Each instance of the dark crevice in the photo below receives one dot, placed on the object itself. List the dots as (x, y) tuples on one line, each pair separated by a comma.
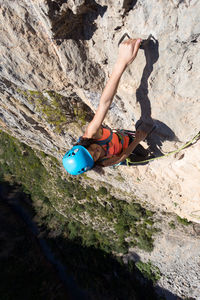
[(195, 38), (35, 125), (128, 5), (29, 119), (42, 130), (69, 25)]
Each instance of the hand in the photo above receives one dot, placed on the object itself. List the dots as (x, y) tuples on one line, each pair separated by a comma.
[(128, 51)]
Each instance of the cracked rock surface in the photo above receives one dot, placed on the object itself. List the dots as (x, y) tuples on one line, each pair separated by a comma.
[(55, 59)]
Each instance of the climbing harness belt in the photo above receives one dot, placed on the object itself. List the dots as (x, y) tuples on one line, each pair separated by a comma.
[(106, 141), (128, 161), (121, 133)]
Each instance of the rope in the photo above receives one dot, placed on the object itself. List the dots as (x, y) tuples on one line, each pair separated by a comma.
[(128, 161)]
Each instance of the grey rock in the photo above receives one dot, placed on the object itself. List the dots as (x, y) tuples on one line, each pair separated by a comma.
[(70, 49)]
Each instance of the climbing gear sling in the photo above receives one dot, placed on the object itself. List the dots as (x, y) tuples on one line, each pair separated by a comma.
[(191, 142)]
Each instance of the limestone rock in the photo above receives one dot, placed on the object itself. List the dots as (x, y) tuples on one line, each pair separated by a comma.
[(55, 59), (54, 46)]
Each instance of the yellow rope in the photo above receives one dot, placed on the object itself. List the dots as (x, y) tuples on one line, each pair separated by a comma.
[(128, 161)]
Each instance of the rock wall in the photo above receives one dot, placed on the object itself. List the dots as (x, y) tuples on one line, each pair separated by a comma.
[(176, 254), (69, 47)]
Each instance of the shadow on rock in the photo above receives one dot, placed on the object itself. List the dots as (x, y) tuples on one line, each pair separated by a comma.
[(74, 22), (167, 295), (129, 5), (161, 131)]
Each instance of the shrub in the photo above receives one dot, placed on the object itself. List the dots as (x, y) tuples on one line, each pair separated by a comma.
[(149, 222), (121, 229), (121, 247), (145, 243), (102, 191), (136, 211), (81, 195), (91, 192), (74, 230), (149, 271)]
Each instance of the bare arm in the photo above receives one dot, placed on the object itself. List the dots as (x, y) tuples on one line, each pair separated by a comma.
[(127, 53)]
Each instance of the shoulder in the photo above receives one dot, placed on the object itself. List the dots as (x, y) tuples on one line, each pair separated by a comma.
[(98, 134)]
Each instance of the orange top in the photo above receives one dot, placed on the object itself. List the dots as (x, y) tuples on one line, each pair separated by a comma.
[(115, 145)]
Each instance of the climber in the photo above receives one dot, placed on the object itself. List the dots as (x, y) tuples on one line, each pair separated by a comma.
[(99, 145)]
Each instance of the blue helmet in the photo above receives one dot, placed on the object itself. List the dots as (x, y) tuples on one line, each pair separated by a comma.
[(77, 160)]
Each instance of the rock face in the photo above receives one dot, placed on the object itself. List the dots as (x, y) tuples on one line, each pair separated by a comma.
[(55, 59), (57, 46), (176, 254)]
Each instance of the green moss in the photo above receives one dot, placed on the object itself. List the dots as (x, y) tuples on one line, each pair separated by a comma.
[(172, 225), (35, 93), (54, 111), (149, 213), (183, 221), (50, 107), (80, 115)]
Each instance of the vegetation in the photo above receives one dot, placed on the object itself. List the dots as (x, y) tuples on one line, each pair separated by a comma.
[(172, 225), (58, 110), (95, 216), (72, 210), (99, 274), (149, 270), (20, 164), (25, 274), (183, 221)]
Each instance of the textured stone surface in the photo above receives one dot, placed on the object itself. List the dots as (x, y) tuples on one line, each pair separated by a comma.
[(58, 46), (70, 47), (177, 256)]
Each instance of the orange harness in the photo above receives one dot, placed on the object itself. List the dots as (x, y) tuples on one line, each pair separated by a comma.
[(113, 142)]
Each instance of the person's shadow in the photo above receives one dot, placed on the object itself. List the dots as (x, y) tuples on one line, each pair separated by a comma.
[(161, 131)]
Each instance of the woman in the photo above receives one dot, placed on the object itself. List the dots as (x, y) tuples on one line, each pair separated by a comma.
[(100, 145)]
